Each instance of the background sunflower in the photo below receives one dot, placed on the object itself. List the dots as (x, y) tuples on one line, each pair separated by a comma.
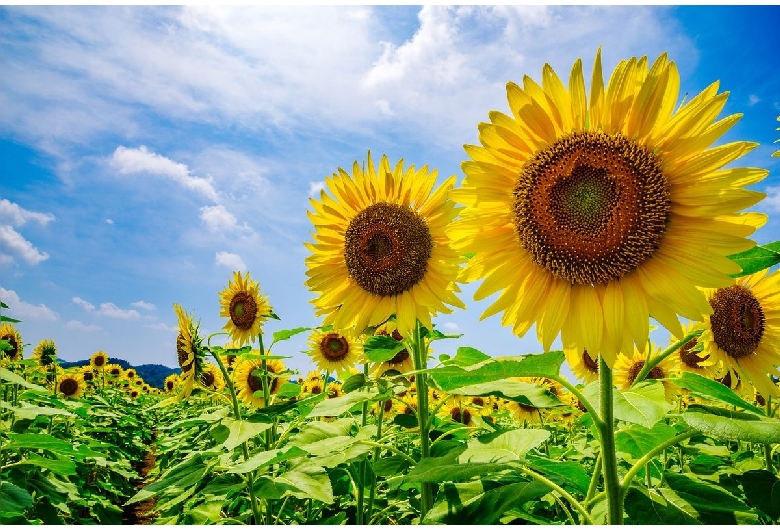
[(248, 380), (71, 385), (10, 334), (245, 307), (334, 351)]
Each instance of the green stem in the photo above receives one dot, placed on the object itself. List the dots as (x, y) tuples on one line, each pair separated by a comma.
[(372, 491), (594, 480), (560, 491), (420, 352), (608, 453), (390, 448), (649, 457), (767, 447), (571, 388), (652, 363)]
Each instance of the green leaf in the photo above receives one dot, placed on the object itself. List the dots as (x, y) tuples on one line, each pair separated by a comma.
[(724, 424), (644, 403), (241, 431), (645, 508), (762, 490), (321, 430), (774, 246), (713, 390), (13, 499), (289, 390), (638, 440), (480, 502), (27, 411), (704, 497), (337, 406), (7, 375), (287, 333), (381, 348), (267, 458), (309, 482), (756, 259), (390, 465), (177, 479), (448, 378), (466, 356), (526, 393), (564, 473), (4, 318), (353, 382), (448, 468), (2, 304), (39, 441), (504, 446), (62, 467)]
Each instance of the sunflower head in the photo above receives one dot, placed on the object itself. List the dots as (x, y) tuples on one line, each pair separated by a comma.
[(14, 350), (211, 378), (99, 360), (170, 382), (380, 247), (134, 393), (114, 370), (190, 354), (45, 352), (626, 370), (582, 365), (71, 385), (334, 350), (245, 308), (250, 381), (402, 361), (130, 374), (88, 373), (589, 215)]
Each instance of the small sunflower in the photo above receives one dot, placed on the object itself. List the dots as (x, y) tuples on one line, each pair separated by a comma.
[(313, 386), (114, 370), (582, 365), (248, 380), (71, 385), (627, 368), (211, 378), (245, 306), (334, 390), (694, 360), (406, 405), (134, 393), (9, 333), (402, 362), (87, 372), (171, 382), (130, 374), (188, 349), (333, 350), (45, 352), (743, 331), (457, 409), (380, 247), (387, 405), (99, 360), (591, 215)]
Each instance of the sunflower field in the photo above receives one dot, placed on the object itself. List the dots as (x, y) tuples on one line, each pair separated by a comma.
[(589, 215)]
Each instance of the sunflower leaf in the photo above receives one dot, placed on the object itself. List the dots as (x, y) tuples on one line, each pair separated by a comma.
[(644, 404), (713, 390), (503, 447), (4, 318), (756, 259), (13, 499), (241, 431), (286, 334), (6, 375), (337, 406), (704, 497), (724, 424), (526, 393), (762, 490), (381, 348)]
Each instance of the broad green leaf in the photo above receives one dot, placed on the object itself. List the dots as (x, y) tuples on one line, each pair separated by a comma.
[(288, 390), (390, 465), (311, 481), (287, 333), (713, 390), (13, 499), (638, 441), (724, 424), (526, 393), (448, 468), (762, 490), (337, 406), (702, 496), (321, 430), (241, 431), (565, 473), (353, 382), (504, 446), (773, 246), (480, 502), (27, 411), (177, 479), (223, 484), (644, 404), (381, 348), (108, 514), (755, 259), (208, 512), (467, 356), (38, 441), (448, 378), (7, 375), (644, 508), (60, 466)]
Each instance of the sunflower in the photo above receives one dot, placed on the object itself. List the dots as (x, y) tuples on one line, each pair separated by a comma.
[(229, 359), (246, 308), (591, 216), (45, 352), (134, 393), (457, 409), (114, 370), (188, 350), (402, 361), (334, 390), (627, 368), (380, 247), (99, 360), (71, 385), (10, 334), (693, 359), (211, 378), (130, 374), (248, 379), (88, 374), (170, 382), (582, 365), (743, 331), (334, 350)]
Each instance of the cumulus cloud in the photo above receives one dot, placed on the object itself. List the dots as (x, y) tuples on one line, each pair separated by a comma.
[(111, 310), (15, 215), (146, 306), (772, 201), (450, 327), (109, 221), (230, 260), (219, 219), (76, 325), (315, 188), (13, 242), (130, 161), (24, 310), (83, 303)]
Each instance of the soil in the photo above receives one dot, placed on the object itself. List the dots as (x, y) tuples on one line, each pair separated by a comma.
[(141, 512)]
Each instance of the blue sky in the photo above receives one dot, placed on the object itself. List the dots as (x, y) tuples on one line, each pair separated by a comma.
[(146, 152)]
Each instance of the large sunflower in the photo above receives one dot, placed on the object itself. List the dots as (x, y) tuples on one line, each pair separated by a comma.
[(334, 350), (71, 385), (590, 215), (380, 247), (99, 360), (743, 331), (248, 379), (188, 351), (245, 306), (10, 334), (45, 352)]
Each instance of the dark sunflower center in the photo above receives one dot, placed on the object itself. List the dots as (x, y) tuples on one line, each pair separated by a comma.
[(48, 354), (255, 380), (460, 415), (316, 388), (737, 321), (169, 385), (589, 363), (655, 373), (100, 360), (727, 381), (386, 249), (185, 360), (14, 346), (527, 408), (243, 310), (691, 358), (69, 386), (334, 347), (88, 376), (116, 371), (207, 378), (399, 357), (478, 401), (130, 374), (591, 207)]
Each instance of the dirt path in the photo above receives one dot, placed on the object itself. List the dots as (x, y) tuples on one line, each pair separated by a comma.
[(140, 512)]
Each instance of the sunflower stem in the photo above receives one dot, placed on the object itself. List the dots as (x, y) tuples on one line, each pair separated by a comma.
[(420, 353), (372, 491), (608, 454), (652, 363), (767, 447), (594, 481)]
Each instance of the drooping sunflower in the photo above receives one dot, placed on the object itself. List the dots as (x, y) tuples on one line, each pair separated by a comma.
[(45, 352), (591, 215), (71, 385), (402, 361), (743, 331), (8, 332), (582, 365), (99, 360), (380, 247), (334, 350), (248, 380), (627, 368), (245, 306), (170, 382), (211, 378), (188, 350)]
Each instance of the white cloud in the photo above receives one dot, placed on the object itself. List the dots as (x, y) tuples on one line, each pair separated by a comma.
[(80, 326), (109, 221), (161, 326), (315, 188), (13, 241), (219, 219), (753, 99), (83, 303), (23, 310), (772, 200), (110, 310), (131, 161), (16, 215), (146, 306), (230, 260), (451, 327)]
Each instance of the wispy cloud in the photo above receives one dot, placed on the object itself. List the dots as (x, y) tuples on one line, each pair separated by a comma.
[(15, 215), (130, 161), (76, 325), (24, 310), (13, 242), (219, 219), (82, 303), (109, 309), (146, 306), (772, 200), (160, 326), (230, 260), (315, 188)]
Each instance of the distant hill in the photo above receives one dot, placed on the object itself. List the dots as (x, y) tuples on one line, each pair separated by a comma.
[(153, 374)]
